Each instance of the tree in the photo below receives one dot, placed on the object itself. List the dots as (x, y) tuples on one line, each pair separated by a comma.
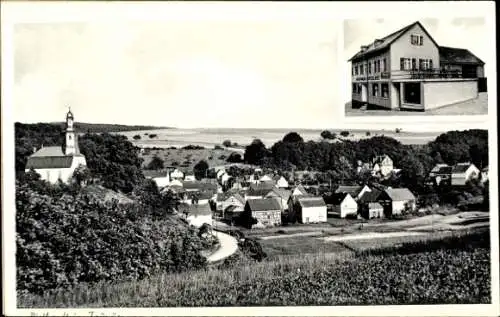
[(344, 133), (328, 135), (293, 137), (137, 137), (156, 164), (255, 152), (412, 172), (227, 143), (82, 175), (200, 169), (234, 158)]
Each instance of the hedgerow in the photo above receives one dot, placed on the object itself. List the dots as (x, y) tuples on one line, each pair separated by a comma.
[(63, 241)]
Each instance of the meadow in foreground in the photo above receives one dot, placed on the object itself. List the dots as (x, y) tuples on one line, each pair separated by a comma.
[(456, 271)]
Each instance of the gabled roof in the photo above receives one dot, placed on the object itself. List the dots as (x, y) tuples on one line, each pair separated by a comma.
[(263, 204), (227, 195), (196, 209), (455, 55), (371, 196), (49, 151), (301, 189), (307, 202), (438, 167), (280, 192), (260, 189), (336, 198), (461, 167), (198, 185), (380, 158), (387, 40), (233, 208), (202, 195), (40, 162), (399, 194), (352, 190)]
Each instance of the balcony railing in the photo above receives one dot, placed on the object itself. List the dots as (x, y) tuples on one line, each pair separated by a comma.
[(426, 74), (411, 74)]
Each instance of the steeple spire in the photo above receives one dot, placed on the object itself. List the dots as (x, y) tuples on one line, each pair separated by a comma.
[(71, 146)]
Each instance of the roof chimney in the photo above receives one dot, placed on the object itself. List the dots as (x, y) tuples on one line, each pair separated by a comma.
[(364, 48)]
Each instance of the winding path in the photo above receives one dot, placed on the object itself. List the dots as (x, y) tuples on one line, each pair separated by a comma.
[(228, 246)]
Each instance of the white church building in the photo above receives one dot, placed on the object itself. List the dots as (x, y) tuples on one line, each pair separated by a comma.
[(58, 162)]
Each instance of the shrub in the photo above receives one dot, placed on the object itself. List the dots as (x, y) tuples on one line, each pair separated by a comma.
[(344, 133), (137, 137), (227, 143), (63, 241), (152, 136)]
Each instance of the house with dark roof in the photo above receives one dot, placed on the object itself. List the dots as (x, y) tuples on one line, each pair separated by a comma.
[(342, 205), (396, 201), (356, 191), (310, 209), (229, 199), (461, 173), (368, 206), (258, 190), (283, 195), (195, 214), (408, 70), (267, 211), (440, 175), (54, 163)]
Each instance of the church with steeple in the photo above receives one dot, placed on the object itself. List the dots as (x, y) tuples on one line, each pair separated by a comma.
[(55, 163)]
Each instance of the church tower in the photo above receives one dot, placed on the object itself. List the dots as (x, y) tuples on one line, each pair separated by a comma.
[(71, 145)]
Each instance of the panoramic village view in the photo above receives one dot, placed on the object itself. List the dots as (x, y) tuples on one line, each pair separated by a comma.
[(348, 218), (183, 163)]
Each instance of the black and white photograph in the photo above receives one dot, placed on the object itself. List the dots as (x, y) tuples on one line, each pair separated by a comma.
[(430, 66), (192, 161)]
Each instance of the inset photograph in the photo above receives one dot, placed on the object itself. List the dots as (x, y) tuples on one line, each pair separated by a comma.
[(426, 67)]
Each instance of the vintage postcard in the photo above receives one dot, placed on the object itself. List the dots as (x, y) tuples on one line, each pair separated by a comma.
[(199, 159)]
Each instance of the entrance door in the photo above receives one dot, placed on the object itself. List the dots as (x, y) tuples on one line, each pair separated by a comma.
[(364, 92), (412, 93)]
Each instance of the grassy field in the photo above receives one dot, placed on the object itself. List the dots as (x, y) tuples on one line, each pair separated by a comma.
[(177, 157), (300, 245), (425, 274)]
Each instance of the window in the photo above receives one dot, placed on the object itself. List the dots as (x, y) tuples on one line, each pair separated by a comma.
[(413, 63), (416, 40), (375, 90), (369, 67), (405, 63), (425, 64), (362, 69), (355, 70), (385, 90)]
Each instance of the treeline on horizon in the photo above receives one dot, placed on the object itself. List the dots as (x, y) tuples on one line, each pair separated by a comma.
[(90, 127)]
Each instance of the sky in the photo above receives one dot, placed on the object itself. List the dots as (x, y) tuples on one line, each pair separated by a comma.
[(178, 73), (469, 32)]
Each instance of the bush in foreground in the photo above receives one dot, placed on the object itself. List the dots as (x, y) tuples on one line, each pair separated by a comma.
[(65, 241)]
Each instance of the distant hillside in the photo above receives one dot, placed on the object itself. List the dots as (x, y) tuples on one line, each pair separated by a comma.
[(98, 127)]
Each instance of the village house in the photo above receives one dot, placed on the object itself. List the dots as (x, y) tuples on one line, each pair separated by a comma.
[(355, 191), (259, 190), (266, 178), (383, 165), (199, 197), (342, 205), (409, 70), (196, 214), (189, 177), (281, 181), (299, 190), (160, 177), (368, 206), (396, 201), (462, 173), (266, 211), (440, 175), (176, 174), (310, 209), (54, 163), (283, 195), (228, 199)]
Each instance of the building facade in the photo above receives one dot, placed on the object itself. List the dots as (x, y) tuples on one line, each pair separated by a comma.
[(409, 70)]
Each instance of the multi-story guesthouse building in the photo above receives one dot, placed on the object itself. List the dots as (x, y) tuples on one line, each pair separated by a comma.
[(54, 163), (409, 70)]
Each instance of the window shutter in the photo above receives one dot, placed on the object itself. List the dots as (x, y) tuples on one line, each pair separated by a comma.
[(430, 64), (402, 63), (413, 63), (420, 64), (421, 40)]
